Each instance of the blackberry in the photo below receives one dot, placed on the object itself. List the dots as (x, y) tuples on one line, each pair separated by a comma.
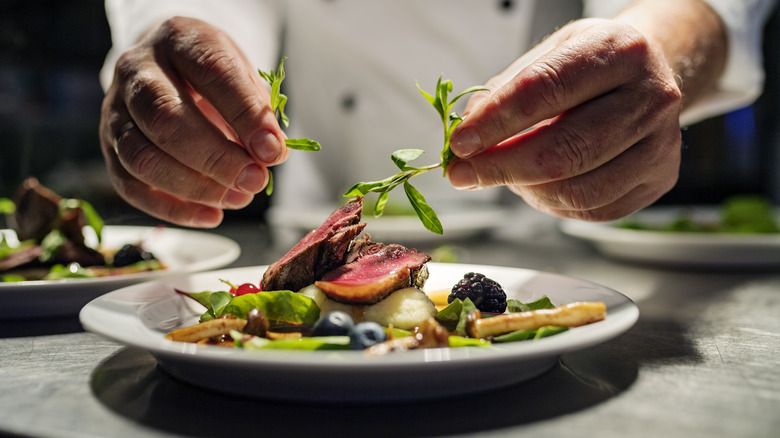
[(129, 254), (486, 294)]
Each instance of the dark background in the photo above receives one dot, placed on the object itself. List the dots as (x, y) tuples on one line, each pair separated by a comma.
[(51, 53)]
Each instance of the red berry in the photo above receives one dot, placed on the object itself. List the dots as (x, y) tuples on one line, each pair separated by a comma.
[(246, 288)]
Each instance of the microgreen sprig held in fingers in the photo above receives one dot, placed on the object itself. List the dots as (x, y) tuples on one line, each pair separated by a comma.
[(443, 105), (278, 101)]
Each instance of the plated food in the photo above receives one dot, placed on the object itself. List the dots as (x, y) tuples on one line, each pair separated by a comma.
[(737, 234), (47, 240), (335, 290)]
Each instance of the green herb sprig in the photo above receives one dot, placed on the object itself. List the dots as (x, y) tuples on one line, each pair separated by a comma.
[(443, 105), (278, 102)]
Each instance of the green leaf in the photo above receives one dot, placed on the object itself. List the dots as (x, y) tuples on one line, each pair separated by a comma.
[(514, 306), (379, 208), (50, 243), (306, 343), (7, 206), (269, 188), (549, 330), (453, 317), (403, 156), (426, 95), (460, 341), (517, 335), (303, 144), (280, 307), (467, 91), (423, 210), (72, 270)]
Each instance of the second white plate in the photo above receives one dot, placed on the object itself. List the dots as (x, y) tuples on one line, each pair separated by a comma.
[(677, 249)]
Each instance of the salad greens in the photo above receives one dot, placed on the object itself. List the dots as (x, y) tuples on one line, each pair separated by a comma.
[(286, 308), (282, 307), (278, 102), (744, 214), (443, 104)]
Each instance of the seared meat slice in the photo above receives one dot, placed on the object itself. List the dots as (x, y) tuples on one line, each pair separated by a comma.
[(37, 211), (374, 271), (320, 251)]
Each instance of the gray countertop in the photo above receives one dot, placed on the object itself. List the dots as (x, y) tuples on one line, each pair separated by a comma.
[(703, 360)]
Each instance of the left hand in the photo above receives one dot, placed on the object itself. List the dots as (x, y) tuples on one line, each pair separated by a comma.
[(605, 107)]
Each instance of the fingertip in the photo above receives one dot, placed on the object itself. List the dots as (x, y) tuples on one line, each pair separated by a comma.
[(251, 179), (465, 142), (207, 217), (462, 175), (265, 146)]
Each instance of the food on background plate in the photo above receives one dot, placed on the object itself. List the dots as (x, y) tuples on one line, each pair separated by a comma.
[(50, 241), (743, 214), (334, 290)]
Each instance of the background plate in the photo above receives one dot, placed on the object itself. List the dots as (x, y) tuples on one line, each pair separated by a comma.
[(183, 251), (140, 315), (677, 248)]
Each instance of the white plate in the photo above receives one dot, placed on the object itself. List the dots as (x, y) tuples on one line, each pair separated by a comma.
[(459, 222), (677, 248), (182, 251), (140, 315)]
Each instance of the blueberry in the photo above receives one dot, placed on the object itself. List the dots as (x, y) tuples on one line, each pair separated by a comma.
[(366, 334), (336, 323)]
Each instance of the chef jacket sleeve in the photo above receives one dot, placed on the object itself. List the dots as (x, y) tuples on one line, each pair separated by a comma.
[(255, 25), (742, 80)]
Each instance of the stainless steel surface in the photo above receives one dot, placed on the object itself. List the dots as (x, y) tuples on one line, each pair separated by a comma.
[(703, 360)]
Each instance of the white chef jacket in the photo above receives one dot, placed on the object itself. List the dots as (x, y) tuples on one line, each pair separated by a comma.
[(352, 67)]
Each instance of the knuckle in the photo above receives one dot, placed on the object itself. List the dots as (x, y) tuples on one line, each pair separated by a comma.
[(570, 195), (553, 87), (215, 162), (571, 150), (214, 65), (141, 160), (165, 124)]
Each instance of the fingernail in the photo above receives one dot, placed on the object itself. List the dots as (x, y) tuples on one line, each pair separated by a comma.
[(462, 175), (265, 146), (251, 179), (235, 199), (466, 143)]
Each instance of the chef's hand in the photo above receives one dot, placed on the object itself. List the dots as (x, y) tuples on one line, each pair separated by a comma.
[(186, 127), (596, 107)]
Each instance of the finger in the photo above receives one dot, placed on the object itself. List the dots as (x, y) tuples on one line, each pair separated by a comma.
[(577, 141), (168, 117), (631, 181), (152, 166), (578, 70), (214, 66), (155, 202)]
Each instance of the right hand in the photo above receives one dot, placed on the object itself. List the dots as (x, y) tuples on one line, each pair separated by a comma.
[(186, 127)]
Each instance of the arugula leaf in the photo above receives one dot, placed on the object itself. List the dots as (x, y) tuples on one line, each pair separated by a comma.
[(443, 104)]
